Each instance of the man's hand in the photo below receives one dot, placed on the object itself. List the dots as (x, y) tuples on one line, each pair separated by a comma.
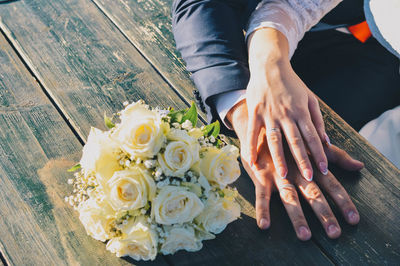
[(278, 100), (266, 179)]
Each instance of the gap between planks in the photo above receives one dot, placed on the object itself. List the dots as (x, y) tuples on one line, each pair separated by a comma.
[(159, 72), (3, 261), (64, 115), (29, 66)]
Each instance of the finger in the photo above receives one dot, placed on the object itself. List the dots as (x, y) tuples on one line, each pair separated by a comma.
[(263, 195), (298, 149), (339, 195), (293, 208), (317, 119), (254, 127), (274, 140), (318, 203), (342, 158), (313, 142)]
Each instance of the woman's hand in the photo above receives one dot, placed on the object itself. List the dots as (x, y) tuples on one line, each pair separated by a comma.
[(278, 100), (266, 180)]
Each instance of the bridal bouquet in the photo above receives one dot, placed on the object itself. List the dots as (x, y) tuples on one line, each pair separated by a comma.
[(155, 183)]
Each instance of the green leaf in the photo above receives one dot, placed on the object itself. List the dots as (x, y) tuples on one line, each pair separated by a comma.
[(176, 116), (75, 167), (219, 144), (208, 129), (191, 115), (216, 129), (212, 129), (108, 121)]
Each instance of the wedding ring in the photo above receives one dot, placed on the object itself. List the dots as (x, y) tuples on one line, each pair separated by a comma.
[(273, 129)]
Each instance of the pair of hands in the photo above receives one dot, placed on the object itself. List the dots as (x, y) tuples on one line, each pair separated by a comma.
[(266, 179), (278, 103)]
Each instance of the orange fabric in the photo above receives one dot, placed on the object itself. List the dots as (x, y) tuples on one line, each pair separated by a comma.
[(361, 31)]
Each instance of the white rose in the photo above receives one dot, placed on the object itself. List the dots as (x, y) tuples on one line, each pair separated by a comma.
[(138, 241), (96, 217), (130, 189), (176, 205), (180, 154), (220, 165), (100, 155), (141, 132), (179, 238), (218, 213)]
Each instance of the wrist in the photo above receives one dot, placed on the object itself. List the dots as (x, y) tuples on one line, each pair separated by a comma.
[(237, 117), (268, 49)]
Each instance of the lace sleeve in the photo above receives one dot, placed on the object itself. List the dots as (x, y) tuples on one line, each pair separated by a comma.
[(291, 17)]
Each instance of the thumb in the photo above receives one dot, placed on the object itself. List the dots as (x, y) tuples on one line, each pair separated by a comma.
[(342, 158)]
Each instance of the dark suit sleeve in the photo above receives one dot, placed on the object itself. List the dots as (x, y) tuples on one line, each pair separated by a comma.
[(209, 35)]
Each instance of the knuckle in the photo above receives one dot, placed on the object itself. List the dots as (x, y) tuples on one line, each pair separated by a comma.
[(289, 195), (301, 112), (313, 193), (274, 137), (311, 138), (280, 161), (259, 109), (262, 210), (286, 111), (334, 186), (303, 163), (326, 215), (298, 220), (296, 141), (261, 195)]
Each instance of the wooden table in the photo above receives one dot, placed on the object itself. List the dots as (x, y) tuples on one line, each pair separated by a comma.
[(65, 62)]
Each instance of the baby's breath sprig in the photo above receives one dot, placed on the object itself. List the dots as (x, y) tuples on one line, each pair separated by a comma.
[(83, 187)]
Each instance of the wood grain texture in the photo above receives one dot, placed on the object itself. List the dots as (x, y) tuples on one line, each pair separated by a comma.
[(36, 149), (85, 63), (147, 24), (375, 191), (73, 54)]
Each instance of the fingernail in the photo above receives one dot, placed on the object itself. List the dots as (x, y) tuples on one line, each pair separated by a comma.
[(328, 141), (264, 223), (304, 233), (353, 217), (282, 172), (360, 163), (323, 167), (307, 174), (333, 229)]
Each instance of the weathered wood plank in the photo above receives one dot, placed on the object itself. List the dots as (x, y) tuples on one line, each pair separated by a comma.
[(376, 192), (147, 25), (87, 66), (36, 149)]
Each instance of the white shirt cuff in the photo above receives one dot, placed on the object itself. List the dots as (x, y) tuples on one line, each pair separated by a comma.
[(225, 101)]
